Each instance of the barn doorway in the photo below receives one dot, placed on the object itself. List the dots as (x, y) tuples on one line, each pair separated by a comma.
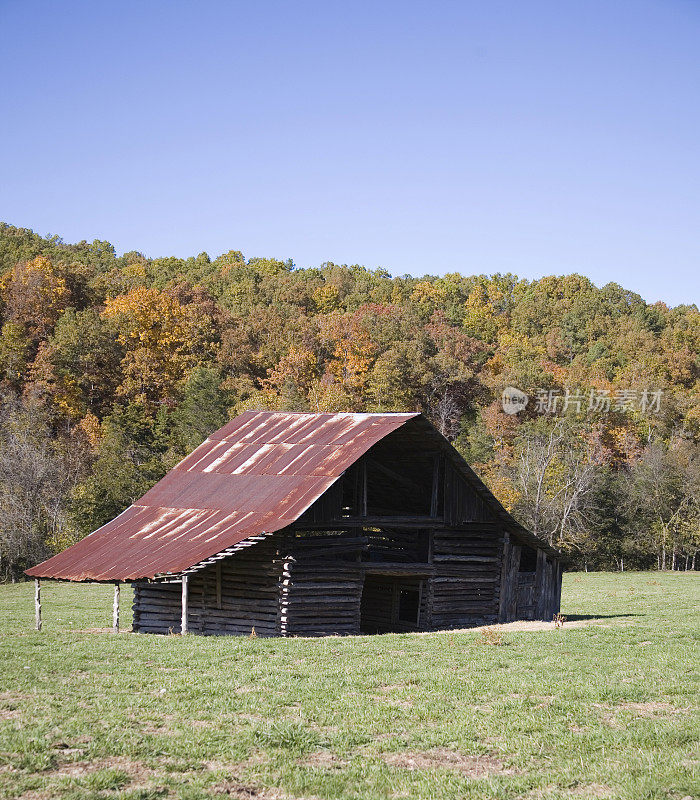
[(390, 604)]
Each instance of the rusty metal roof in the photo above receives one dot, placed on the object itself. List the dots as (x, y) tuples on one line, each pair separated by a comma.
[(255, 475)]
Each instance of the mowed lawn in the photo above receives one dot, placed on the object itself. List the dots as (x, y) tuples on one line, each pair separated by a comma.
[(605, 707)]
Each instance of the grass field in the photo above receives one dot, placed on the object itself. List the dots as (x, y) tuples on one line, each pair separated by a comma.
[(606, 707)]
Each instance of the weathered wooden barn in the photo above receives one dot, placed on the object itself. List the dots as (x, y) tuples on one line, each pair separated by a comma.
[(317, 524)]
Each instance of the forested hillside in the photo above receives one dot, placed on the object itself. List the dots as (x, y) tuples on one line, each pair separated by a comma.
[(112, 368)]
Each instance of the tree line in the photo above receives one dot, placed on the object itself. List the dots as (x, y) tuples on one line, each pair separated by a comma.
[(112, 368)]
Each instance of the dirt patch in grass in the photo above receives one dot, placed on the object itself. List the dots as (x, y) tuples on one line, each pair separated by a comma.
[(542, 700), (161, 727), (442, 758), (324, 759), (504, 627), (584, 790), (65, 751), (244, 791), (235, 789), (591, 790), (607, 715), (649, 709), (247, 717), (652, 708), (136, 771), (387, 692), (520, 626), (9, 705), (398, 702), (141, 776), (137, 774), (96, 630), (324, 728), (257, 757)]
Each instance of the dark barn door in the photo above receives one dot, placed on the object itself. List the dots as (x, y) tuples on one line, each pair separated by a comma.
[(390, 604)]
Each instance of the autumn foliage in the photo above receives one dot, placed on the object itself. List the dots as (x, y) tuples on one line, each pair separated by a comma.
[(125, 363)]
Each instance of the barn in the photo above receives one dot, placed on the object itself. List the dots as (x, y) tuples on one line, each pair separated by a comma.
[(314, 524)]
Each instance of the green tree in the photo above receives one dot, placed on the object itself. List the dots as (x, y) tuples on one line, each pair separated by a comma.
[(203, 408), (132, 456)]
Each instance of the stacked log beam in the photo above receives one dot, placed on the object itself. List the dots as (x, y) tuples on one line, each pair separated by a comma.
[(231, 597), (467, 583), (321, 585)]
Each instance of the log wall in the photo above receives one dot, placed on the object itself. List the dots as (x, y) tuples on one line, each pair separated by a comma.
[(321, 586), (466, 586), (527, 593), (233, 596)]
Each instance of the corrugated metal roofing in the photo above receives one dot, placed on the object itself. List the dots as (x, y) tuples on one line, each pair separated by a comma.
[(255, 475)]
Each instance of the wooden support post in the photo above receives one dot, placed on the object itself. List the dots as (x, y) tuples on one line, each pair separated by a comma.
[(540, 585), (506, 584), (513, 612), (115, 609), (420, 603), (37, 604), (218, 585), (556, 603), (183, 626), (436, 486), (363, 508)]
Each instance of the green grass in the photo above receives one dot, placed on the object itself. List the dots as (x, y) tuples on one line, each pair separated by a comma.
[(605, 709)]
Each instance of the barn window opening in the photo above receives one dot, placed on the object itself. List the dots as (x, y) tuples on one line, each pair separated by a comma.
[(397, 545), (528, 559), (353, 491), (399, 487), (390, 604), (387, 483), (409, 603)]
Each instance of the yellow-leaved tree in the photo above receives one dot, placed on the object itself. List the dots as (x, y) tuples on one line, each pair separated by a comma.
[(164, 340), (352, 353), (34, 294)]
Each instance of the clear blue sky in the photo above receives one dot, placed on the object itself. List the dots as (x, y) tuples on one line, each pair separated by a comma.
[(528, 136)]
